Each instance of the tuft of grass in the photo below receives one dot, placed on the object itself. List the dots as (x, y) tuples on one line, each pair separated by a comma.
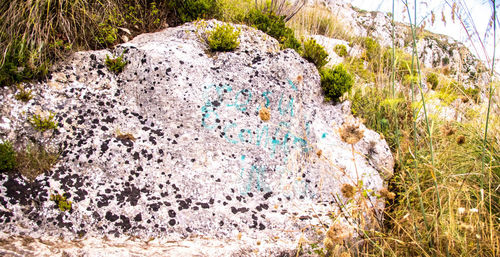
[(23, 94), (35, 160), (223, 38), (315, 53), (63, 204), (115, 64), (319, 20), (43, 123)]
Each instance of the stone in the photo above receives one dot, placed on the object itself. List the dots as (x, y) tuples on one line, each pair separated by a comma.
[(174, 149)]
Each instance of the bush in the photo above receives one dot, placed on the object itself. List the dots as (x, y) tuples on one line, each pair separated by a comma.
[(190, 10), (7, 157), (315, 53), (341, 50), (223, 38), (335, 82), (115, 65), (275, 27), (432, 79), (372, 48)]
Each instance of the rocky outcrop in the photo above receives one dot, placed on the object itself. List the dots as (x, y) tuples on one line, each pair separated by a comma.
[(434, 50), (187, 144)]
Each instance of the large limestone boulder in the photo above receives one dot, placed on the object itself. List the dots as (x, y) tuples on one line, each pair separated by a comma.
[(235, 149)]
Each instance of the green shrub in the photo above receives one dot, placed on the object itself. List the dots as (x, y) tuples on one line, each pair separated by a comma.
[(190, 10), (433, 80), (7, 156), (372, 48), (43, 123), (62, 202), (275, 27), (223, 38), (115, 64), (21, 63), (335, 82), (107, 34), (314, 53), (341, 50)]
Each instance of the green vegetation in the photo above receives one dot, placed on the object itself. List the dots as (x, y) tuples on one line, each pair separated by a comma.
[(433, 80), (115, 64), (340, 50), (356, 66), (43, 123), (190, 10), (274, 26), (223, 38), (23, 94), (335, 82), (314, 53), (61, 201), (7, 157), (35, 160), (32, 40)]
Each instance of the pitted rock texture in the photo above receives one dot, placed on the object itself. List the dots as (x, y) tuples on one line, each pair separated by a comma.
[(197, 160)]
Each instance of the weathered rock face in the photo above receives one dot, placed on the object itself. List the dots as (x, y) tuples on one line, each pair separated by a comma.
[(198, 158), (434, 50)]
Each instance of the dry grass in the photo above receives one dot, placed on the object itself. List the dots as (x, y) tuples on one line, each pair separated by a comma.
[(318, 20), (35, 160)]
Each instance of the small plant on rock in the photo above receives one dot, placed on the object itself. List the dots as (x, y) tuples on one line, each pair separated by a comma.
[(7, 156), (43, 123), (340, 50), (23, 94), (433, 80), (62, 202), (335, 82), (223, 38), (315, 53), (115, 64), (35, 160)]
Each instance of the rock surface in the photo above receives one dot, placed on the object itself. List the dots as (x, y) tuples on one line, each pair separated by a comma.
[(174, 147)]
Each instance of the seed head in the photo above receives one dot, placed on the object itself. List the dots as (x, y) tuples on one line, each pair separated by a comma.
[(348, 190), (351, 133), (461, 139), (384, 192)]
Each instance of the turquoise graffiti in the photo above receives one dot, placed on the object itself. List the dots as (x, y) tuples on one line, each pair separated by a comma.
[(274, 138)]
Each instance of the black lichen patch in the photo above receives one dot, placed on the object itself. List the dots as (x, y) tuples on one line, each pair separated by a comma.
[(111, 217)]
